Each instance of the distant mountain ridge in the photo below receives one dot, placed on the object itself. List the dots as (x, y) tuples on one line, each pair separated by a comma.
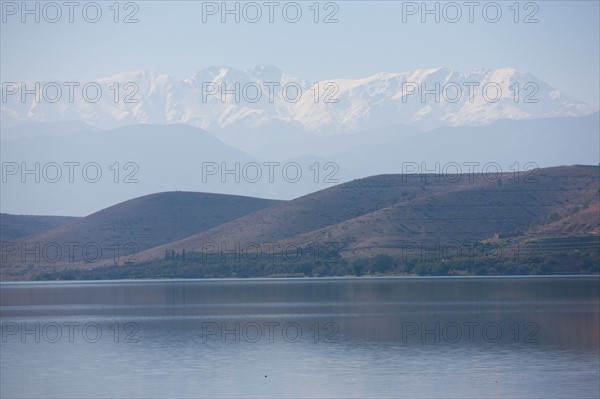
[(268, 98), (171, 157)]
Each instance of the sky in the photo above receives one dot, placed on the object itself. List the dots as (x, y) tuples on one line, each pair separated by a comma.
[(181, 37)]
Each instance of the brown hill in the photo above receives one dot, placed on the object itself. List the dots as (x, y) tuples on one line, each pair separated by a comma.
[(119, 232), (365, 217), (13, 227), (389, 210)]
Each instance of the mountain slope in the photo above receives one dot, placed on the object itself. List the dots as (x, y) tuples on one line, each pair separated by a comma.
[(13, 227), (382, 211), (502, 208), (123, 230), (385, 211), (311, 212), (555, 207)]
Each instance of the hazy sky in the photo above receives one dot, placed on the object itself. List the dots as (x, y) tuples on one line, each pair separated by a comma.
[(562, 48)]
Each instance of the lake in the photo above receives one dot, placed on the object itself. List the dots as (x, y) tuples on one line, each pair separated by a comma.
[(414, 337)]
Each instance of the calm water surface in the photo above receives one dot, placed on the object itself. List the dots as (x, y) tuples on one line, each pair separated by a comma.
[(531, 337)]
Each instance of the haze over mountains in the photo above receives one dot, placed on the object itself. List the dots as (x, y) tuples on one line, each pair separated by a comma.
[(145, 159), (128, 162)]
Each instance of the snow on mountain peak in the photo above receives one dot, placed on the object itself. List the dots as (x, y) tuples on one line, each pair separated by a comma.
[(425, 98)]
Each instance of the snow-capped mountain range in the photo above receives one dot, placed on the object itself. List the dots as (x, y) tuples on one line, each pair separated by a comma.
[(223, 98)]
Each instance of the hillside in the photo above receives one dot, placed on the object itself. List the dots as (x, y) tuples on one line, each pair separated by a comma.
[(129, 228), (386, 223), (13, 227), (312, 212), (383, 210), (486, 209)]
